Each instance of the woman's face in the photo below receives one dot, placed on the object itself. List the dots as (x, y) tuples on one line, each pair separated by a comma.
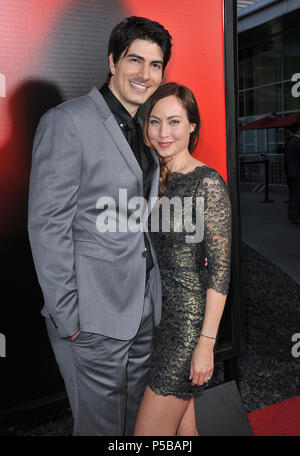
[(169, 127)]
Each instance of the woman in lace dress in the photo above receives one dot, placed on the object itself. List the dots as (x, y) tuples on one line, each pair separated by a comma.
[(193, 295)]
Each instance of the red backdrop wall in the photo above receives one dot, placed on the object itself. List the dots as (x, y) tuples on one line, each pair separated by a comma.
[(27, 28), (197, 62), (53, 50)]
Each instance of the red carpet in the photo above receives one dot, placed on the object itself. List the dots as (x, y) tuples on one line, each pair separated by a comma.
[(277, 419)]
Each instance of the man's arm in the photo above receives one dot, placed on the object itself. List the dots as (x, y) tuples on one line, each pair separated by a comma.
[(53, 192)]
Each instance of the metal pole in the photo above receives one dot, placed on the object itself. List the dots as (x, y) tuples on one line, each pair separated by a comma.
[(267, 200)]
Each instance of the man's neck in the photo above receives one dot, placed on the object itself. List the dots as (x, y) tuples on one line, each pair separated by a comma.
[(132, 109)]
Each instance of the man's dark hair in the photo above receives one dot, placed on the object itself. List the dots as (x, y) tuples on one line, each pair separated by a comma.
[(133, 28)]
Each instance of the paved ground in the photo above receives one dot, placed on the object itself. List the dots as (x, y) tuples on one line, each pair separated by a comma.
[(266, 228)]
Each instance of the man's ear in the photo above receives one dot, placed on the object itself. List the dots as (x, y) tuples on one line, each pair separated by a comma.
[(111, 63)]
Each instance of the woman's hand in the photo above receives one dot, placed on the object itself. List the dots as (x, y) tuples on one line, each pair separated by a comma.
[(202, 364)]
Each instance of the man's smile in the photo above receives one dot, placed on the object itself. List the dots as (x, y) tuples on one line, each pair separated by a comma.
[(138, 86)]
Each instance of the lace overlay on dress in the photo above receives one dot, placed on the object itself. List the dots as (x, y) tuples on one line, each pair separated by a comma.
[(185, 278)]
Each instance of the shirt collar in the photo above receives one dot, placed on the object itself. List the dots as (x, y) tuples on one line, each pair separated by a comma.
[(118, 110)]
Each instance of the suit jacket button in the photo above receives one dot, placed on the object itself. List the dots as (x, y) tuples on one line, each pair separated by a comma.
[(144, 254)]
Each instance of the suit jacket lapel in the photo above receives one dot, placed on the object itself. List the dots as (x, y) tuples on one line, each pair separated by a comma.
[(120, 141), (154, 182), (115, 132)]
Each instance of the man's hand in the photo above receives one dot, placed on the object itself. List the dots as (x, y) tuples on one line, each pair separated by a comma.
[(75, 335)]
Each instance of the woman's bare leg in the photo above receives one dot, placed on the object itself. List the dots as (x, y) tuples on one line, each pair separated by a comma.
[(187, 424), (159, 415)]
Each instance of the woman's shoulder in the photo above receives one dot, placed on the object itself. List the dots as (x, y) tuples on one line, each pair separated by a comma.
[(200, 175), (210, 182), (208, 172)]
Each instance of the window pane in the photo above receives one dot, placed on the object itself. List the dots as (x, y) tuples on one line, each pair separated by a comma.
[(292, 96), (249, 80), (249, 136), (261, 140), (241, 137), (291, 51), (241, 75), (271, 135), (249, 103), (241, 104), (281, 135), (250, 149), (268, 62), (268, 99), (272, 148)]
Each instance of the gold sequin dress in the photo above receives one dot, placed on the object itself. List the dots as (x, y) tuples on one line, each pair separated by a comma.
[(185, 279)]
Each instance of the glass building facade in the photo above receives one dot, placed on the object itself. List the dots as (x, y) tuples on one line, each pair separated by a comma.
[(269, 68)]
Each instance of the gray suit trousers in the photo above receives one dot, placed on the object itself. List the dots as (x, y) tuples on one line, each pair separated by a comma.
[(105, 378)]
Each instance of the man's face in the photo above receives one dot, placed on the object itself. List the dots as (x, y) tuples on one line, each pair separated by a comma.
[(137, 74)]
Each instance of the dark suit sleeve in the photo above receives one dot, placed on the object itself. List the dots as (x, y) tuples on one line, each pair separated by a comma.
[(54, 185)]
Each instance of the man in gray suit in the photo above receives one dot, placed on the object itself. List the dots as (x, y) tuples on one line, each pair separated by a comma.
[(101, 285)]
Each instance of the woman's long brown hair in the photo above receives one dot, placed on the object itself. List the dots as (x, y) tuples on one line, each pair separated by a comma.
[(188, 100)]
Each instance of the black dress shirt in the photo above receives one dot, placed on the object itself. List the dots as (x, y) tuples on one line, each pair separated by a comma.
[(132, 131)]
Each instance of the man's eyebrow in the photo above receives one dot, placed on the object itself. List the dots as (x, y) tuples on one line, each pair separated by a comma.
[(142, 58)]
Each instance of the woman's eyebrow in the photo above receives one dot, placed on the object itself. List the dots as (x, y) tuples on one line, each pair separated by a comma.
[(169, 117)]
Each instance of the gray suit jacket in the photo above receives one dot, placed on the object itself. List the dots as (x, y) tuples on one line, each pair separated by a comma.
[(91, 280)]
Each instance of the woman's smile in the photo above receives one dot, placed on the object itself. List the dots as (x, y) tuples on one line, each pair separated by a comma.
[(164, 145)]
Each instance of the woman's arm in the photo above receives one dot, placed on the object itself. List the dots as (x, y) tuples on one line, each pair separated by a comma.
[(202, 364), (217, 222)]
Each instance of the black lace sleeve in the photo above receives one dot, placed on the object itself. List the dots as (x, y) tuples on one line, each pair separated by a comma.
[(217, 232)]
